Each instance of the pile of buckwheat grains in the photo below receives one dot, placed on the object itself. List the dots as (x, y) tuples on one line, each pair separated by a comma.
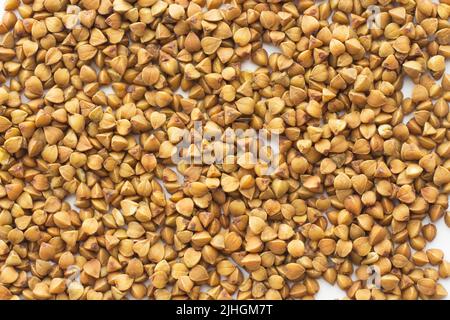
[(362, 172)]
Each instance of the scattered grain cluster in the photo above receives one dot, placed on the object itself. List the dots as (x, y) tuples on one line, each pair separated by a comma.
[(358, 185)]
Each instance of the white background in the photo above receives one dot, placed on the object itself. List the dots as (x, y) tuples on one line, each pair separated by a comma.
[(442, 240)]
